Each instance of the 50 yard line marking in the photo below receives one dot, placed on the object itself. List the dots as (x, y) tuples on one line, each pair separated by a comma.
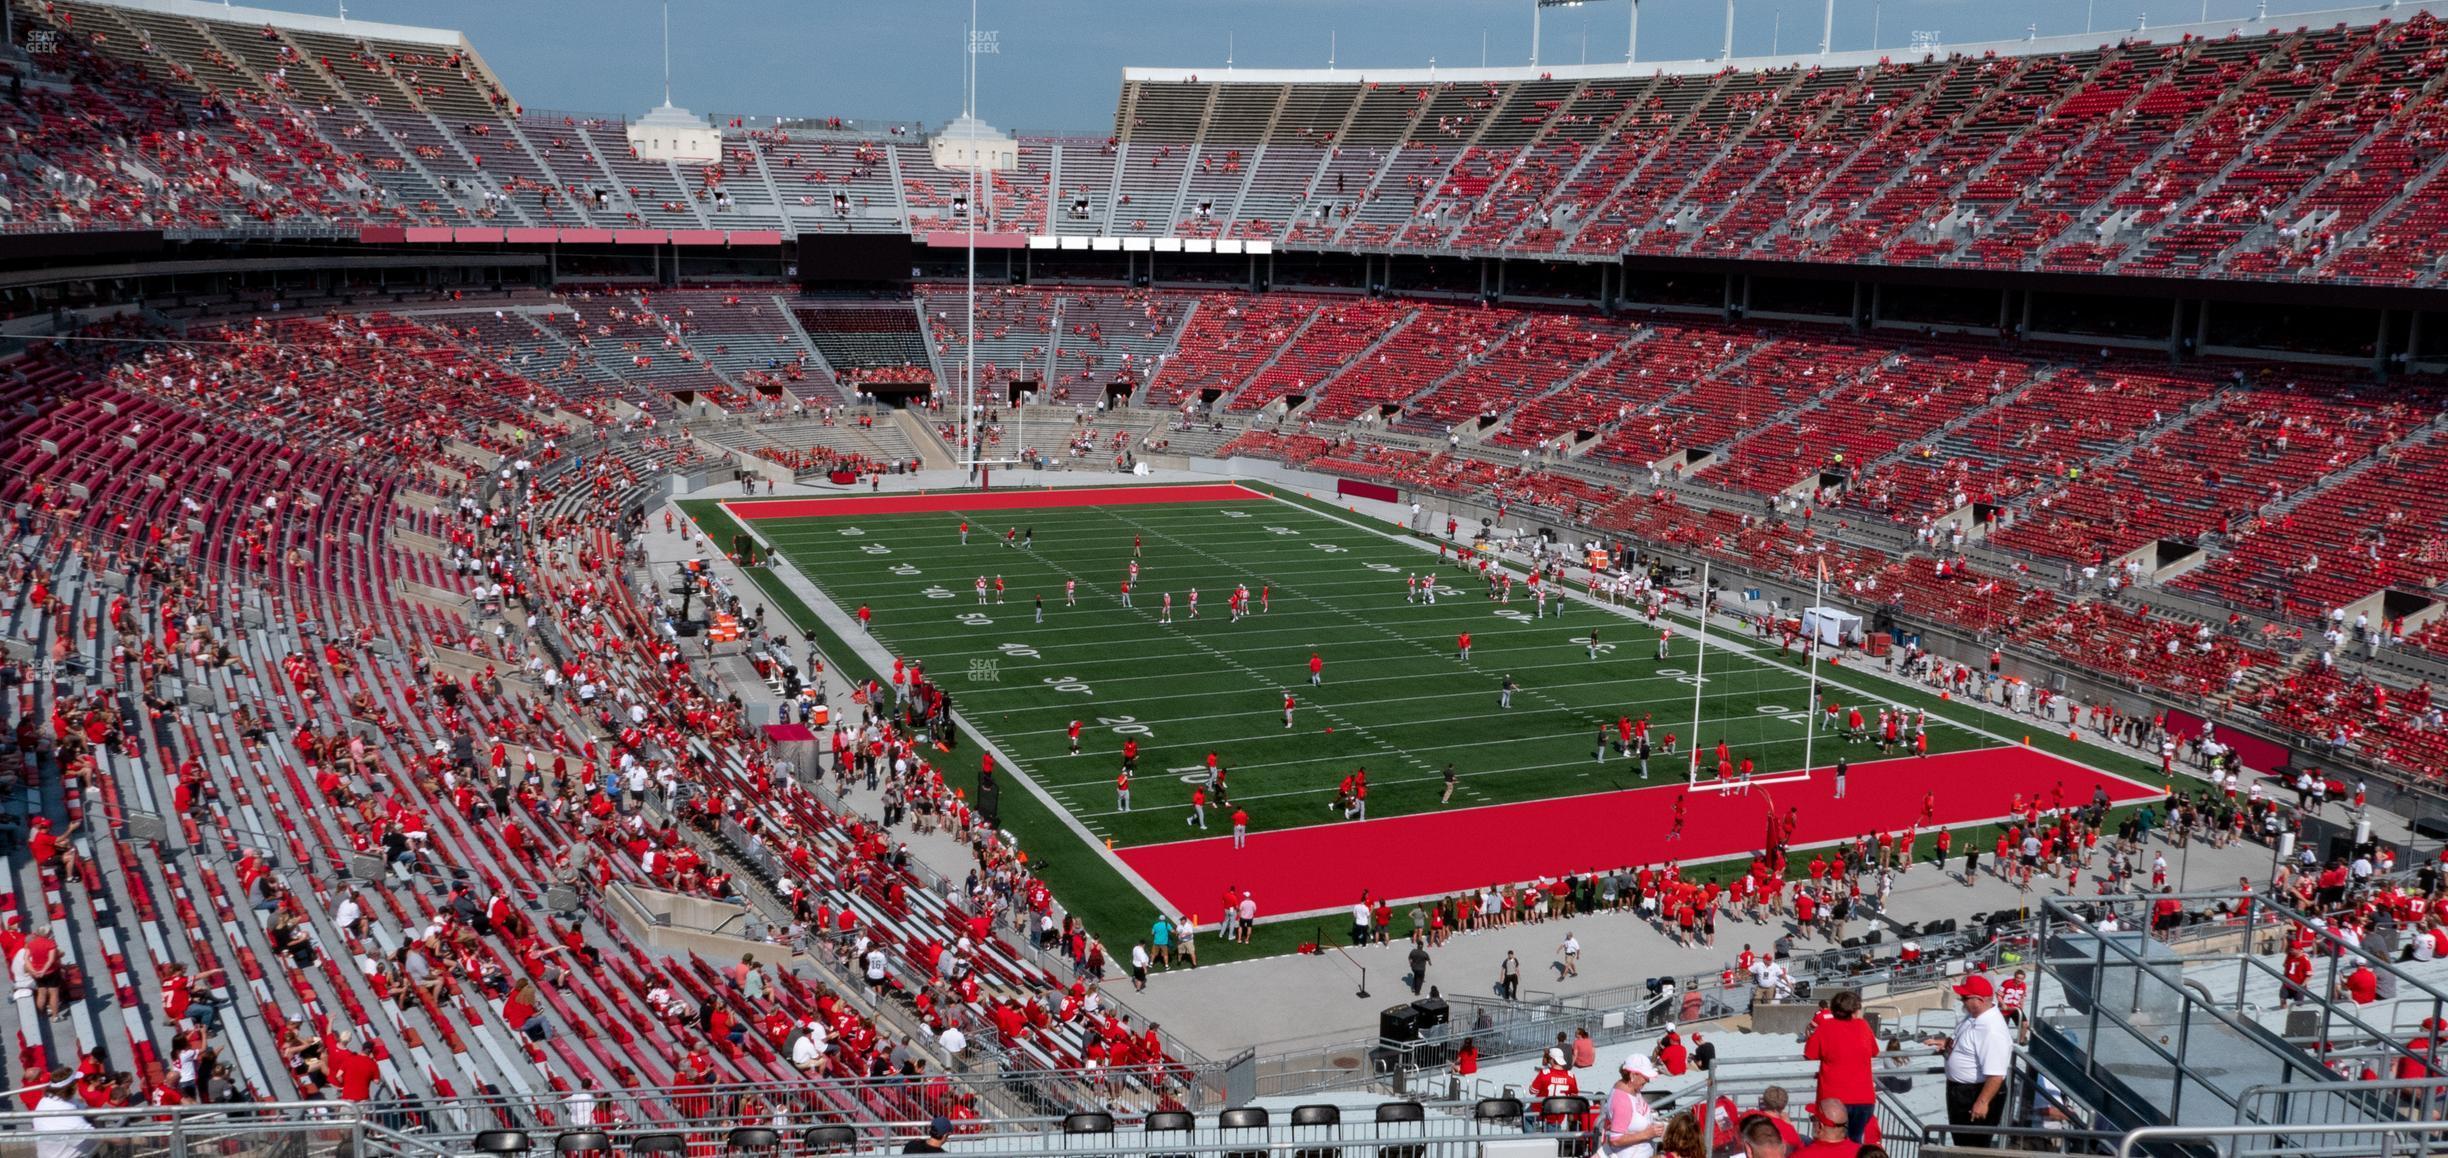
[(1231, 661), (1370, 625)]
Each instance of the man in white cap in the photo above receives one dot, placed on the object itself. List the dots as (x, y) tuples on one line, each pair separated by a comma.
[(1628, 1128), (1555, 1080), (1978, 1055)]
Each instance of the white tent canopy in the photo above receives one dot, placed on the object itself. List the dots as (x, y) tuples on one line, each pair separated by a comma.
[(1829, 625)]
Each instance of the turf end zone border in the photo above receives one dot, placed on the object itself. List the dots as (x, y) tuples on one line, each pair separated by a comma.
[(1294, 872)]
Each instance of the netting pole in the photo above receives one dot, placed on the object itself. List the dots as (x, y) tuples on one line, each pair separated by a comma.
[(1699, 678)]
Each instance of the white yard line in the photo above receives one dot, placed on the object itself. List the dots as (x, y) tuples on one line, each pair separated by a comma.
[(1717, 640)]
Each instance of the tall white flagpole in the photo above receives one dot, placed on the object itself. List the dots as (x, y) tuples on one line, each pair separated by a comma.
[(1699, 674)]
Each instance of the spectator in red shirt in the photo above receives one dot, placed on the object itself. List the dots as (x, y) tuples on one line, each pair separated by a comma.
[(519, 1012), (355, 1073), (2298, 973), (1554, 1080), (2361, 986), (1772, 1110), (1672, 1056), (50, 852), (1831, 1128), (1845, 1049), (2166, 913), (2010, 997), (41, 962)]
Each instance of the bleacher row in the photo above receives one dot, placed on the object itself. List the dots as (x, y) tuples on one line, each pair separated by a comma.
[(2294, 154), (248, 560), (226, 737), (2302, 485)]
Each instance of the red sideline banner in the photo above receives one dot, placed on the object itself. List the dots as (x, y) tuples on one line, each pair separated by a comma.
[(1367, 490)]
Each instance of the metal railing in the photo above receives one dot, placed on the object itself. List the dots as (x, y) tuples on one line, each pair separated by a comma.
[(2377, 1104), (2310, 1141), (1015, 1102), (302, 1129), (1443, 1129), (2116, 1016), (715, 1116)]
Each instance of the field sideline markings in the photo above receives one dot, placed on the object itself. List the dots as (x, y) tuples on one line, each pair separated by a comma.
[(1137, 700), (1390, 633), (1681, 755), (1719, 641), (1469, 605), (1550, 623), (1499, 670), (1757, 666)]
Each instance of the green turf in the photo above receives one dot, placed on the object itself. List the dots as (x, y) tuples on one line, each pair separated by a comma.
[(1397, 698)]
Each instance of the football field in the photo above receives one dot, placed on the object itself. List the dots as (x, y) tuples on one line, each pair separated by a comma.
[(1396, 697)]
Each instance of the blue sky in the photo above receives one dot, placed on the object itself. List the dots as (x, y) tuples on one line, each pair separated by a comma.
[(1060, 61)]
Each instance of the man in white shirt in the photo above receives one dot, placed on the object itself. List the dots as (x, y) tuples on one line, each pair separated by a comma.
[(1978, 1055), (953, 1040), (1775, 978), (808, 1050)]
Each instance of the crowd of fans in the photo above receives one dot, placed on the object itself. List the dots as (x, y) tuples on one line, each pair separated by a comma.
[(300, 125), (543, 733)]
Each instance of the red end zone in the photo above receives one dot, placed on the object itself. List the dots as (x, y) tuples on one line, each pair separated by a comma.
[(1435, 853), (1011, 500)]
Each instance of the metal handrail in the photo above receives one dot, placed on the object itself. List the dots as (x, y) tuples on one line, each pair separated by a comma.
[(2133, 1140), (177, 1131)]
